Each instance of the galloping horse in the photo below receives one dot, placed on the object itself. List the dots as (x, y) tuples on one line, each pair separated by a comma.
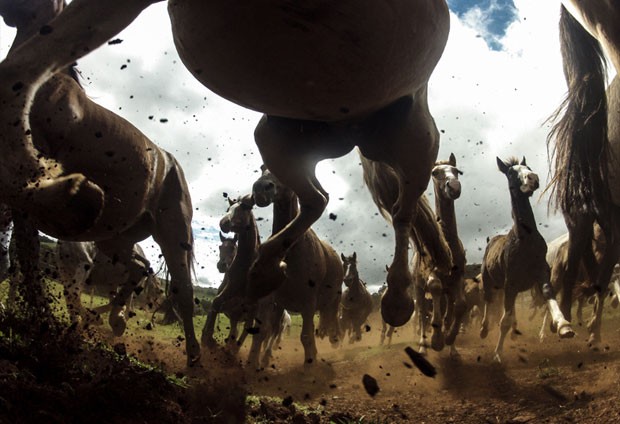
[(327, 76), (231, 296), (432, 260), (356, 300), (445, 176), (81, 265), (586, 143), (116, 186), (514, 262), (313, 269)]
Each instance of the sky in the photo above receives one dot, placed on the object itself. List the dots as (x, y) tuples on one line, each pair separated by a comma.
[(497, 82)]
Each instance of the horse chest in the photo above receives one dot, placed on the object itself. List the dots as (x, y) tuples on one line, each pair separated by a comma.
[(319, 60)]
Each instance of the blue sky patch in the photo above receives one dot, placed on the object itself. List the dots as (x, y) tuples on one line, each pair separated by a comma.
[(495, 17)]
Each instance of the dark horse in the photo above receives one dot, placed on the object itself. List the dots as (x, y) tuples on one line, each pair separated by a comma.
[(135, 189), (515, 262), (586, 143), (313, 269), (356, 300), (331, 77)]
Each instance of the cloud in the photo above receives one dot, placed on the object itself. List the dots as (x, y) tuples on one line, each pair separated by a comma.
[(498, 80)]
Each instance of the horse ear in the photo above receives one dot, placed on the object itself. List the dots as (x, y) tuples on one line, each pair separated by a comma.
[(354, 256), (263, 167), (247, 200), (503, 166), (523, 162), (230, 201), (342, 256), (452, 159), (387, 268)]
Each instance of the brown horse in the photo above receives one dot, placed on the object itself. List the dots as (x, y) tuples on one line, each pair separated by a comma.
[(80, 266), (586, 143), (330, 77), (133, 188), (514, 262), (432, 260), (231, 296), (356, 301), (314, 272), (445, 176)]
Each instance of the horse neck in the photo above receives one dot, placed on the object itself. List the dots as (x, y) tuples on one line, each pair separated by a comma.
[(524, 223), (247, 244), (285, 208), (446, 216)]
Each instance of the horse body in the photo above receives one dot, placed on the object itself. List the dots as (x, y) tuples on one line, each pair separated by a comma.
[(356, 300), (314, 272), (514, 262), (327, 75), (447, 189), (586, 145), (141, 189)]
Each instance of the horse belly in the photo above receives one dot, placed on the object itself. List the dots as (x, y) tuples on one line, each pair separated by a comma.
[(319, 60)]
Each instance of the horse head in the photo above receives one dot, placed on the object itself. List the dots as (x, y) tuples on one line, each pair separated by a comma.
[(239, 215), (228, 249), (19, 13), (446, 178), (520, 176), (265, 189)]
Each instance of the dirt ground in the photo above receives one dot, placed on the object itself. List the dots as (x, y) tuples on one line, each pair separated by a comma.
[(555, 381)]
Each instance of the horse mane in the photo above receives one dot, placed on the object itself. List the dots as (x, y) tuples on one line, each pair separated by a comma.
[(428, 237), (512, 161), (579, 140)]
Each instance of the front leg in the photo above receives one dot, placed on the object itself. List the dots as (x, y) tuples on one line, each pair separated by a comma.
[(291, 150)]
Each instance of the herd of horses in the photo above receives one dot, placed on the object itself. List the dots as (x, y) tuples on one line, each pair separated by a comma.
[(328, 78)]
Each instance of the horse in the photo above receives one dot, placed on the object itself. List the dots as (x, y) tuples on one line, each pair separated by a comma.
[(314, 271), (356, 301), (127, 188), (474, 301), (80, 265), (585, 145), (230, 299), (432, 260), (515, 262), (447, 188), (331, 78)]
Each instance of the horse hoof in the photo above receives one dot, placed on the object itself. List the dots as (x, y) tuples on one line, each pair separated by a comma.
[(396, 310), (497, 358), (437, 342), (565, 331)]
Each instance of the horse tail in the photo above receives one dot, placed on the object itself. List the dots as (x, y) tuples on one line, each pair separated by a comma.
[(428, 237), (579, 137)]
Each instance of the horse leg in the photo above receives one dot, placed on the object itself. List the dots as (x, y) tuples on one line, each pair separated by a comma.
[(541, 333), (73, 295), (383, 332), (403, 135), (506, 321), (606, 267), (487, 294), (173, 234), (422, 316), (291, 150), (71, 203), (307, 338), (435, 287), (208, 330), (31, 289), (457, 298)]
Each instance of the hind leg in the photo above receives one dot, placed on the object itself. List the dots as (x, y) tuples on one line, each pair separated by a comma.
[(291, 150), (506, 322), (403, 136), (173, 234)]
